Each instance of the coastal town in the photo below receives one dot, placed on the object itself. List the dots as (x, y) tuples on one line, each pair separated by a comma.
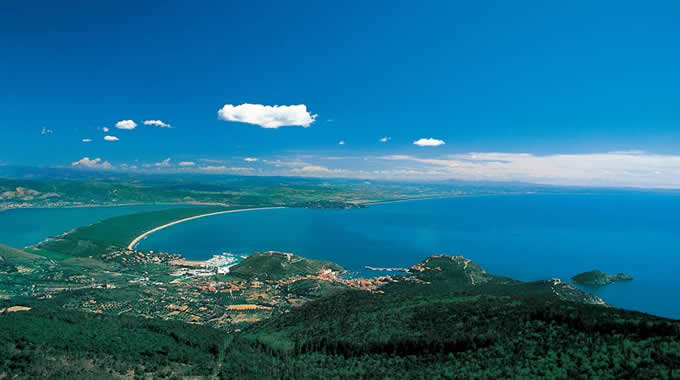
[(163, 285)]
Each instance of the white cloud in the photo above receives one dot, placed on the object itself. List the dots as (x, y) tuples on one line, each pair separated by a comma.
[(314, 169), (111, 138), (187, 163), (213, 168), (617, 169), (87, 140), (157, 123), (224, 169), (250, 159), (126, 124), (429, 142), (212, 161), (46, 131), (97, 163), (385, 139), (162, 164), (105, 129), (632, 168), (267, 116), (341, 142)]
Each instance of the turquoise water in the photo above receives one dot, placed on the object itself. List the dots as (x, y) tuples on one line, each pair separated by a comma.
[(528, 237), (23, 227)]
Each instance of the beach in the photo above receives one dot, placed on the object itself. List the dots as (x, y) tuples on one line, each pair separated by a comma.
[(134, 242)]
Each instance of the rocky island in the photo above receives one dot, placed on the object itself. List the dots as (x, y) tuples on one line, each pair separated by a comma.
[(599, 278)]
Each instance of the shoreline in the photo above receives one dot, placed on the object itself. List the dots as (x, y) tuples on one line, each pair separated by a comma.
[(373, 203), (113, 205), (136, 241)]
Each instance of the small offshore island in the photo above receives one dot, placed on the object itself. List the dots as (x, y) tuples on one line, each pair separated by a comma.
[(599, 278)]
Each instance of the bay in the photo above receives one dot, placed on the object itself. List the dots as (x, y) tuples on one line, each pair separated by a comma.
[(527, 237)]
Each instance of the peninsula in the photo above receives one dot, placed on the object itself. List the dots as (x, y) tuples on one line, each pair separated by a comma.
[(599, 278)]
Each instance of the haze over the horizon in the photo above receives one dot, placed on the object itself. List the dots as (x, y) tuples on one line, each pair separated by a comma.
[(576, 93)]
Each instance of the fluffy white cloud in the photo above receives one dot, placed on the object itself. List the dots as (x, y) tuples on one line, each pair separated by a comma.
[(126, 124), (267, 116), (105, 129), (46, 131), (386, 139), (97, 163), (87, 140), (111, 138), (341, 142), (187, 163), (157, 123), (250, 159), (429, 142)]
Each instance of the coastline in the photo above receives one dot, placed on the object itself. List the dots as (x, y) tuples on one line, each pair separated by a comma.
[(408, 200), (113, 205), (136, 241)]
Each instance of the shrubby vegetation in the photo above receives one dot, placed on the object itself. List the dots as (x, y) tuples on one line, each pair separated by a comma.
[(448, 318), (361, 335), (53, 343)]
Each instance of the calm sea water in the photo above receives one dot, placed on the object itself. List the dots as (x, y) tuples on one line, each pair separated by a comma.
[(23, 227), (527, 237)]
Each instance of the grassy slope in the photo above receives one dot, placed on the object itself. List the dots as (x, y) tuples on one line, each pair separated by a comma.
[(118, 232), (17, 256)]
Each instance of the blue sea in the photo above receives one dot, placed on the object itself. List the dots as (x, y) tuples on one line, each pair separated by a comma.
[(527, 237), (27, 226)]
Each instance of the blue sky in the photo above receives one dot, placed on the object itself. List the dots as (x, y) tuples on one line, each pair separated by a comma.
[(564, 84)]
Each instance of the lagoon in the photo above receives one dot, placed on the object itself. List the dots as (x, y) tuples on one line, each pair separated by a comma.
[(527, 237), (27, 226)]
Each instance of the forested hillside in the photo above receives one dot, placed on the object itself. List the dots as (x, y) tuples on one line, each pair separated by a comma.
[(446, 318)]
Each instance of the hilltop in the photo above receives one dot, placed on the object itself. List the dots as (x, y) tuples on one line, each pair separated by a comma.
[(443, 274), (279, 266)]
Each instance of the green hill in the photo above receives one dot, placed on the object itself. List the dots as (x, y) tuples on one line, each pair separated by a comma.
[(278, 266), (10, 258), (363, 335), (598, 278), (444, 274)]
